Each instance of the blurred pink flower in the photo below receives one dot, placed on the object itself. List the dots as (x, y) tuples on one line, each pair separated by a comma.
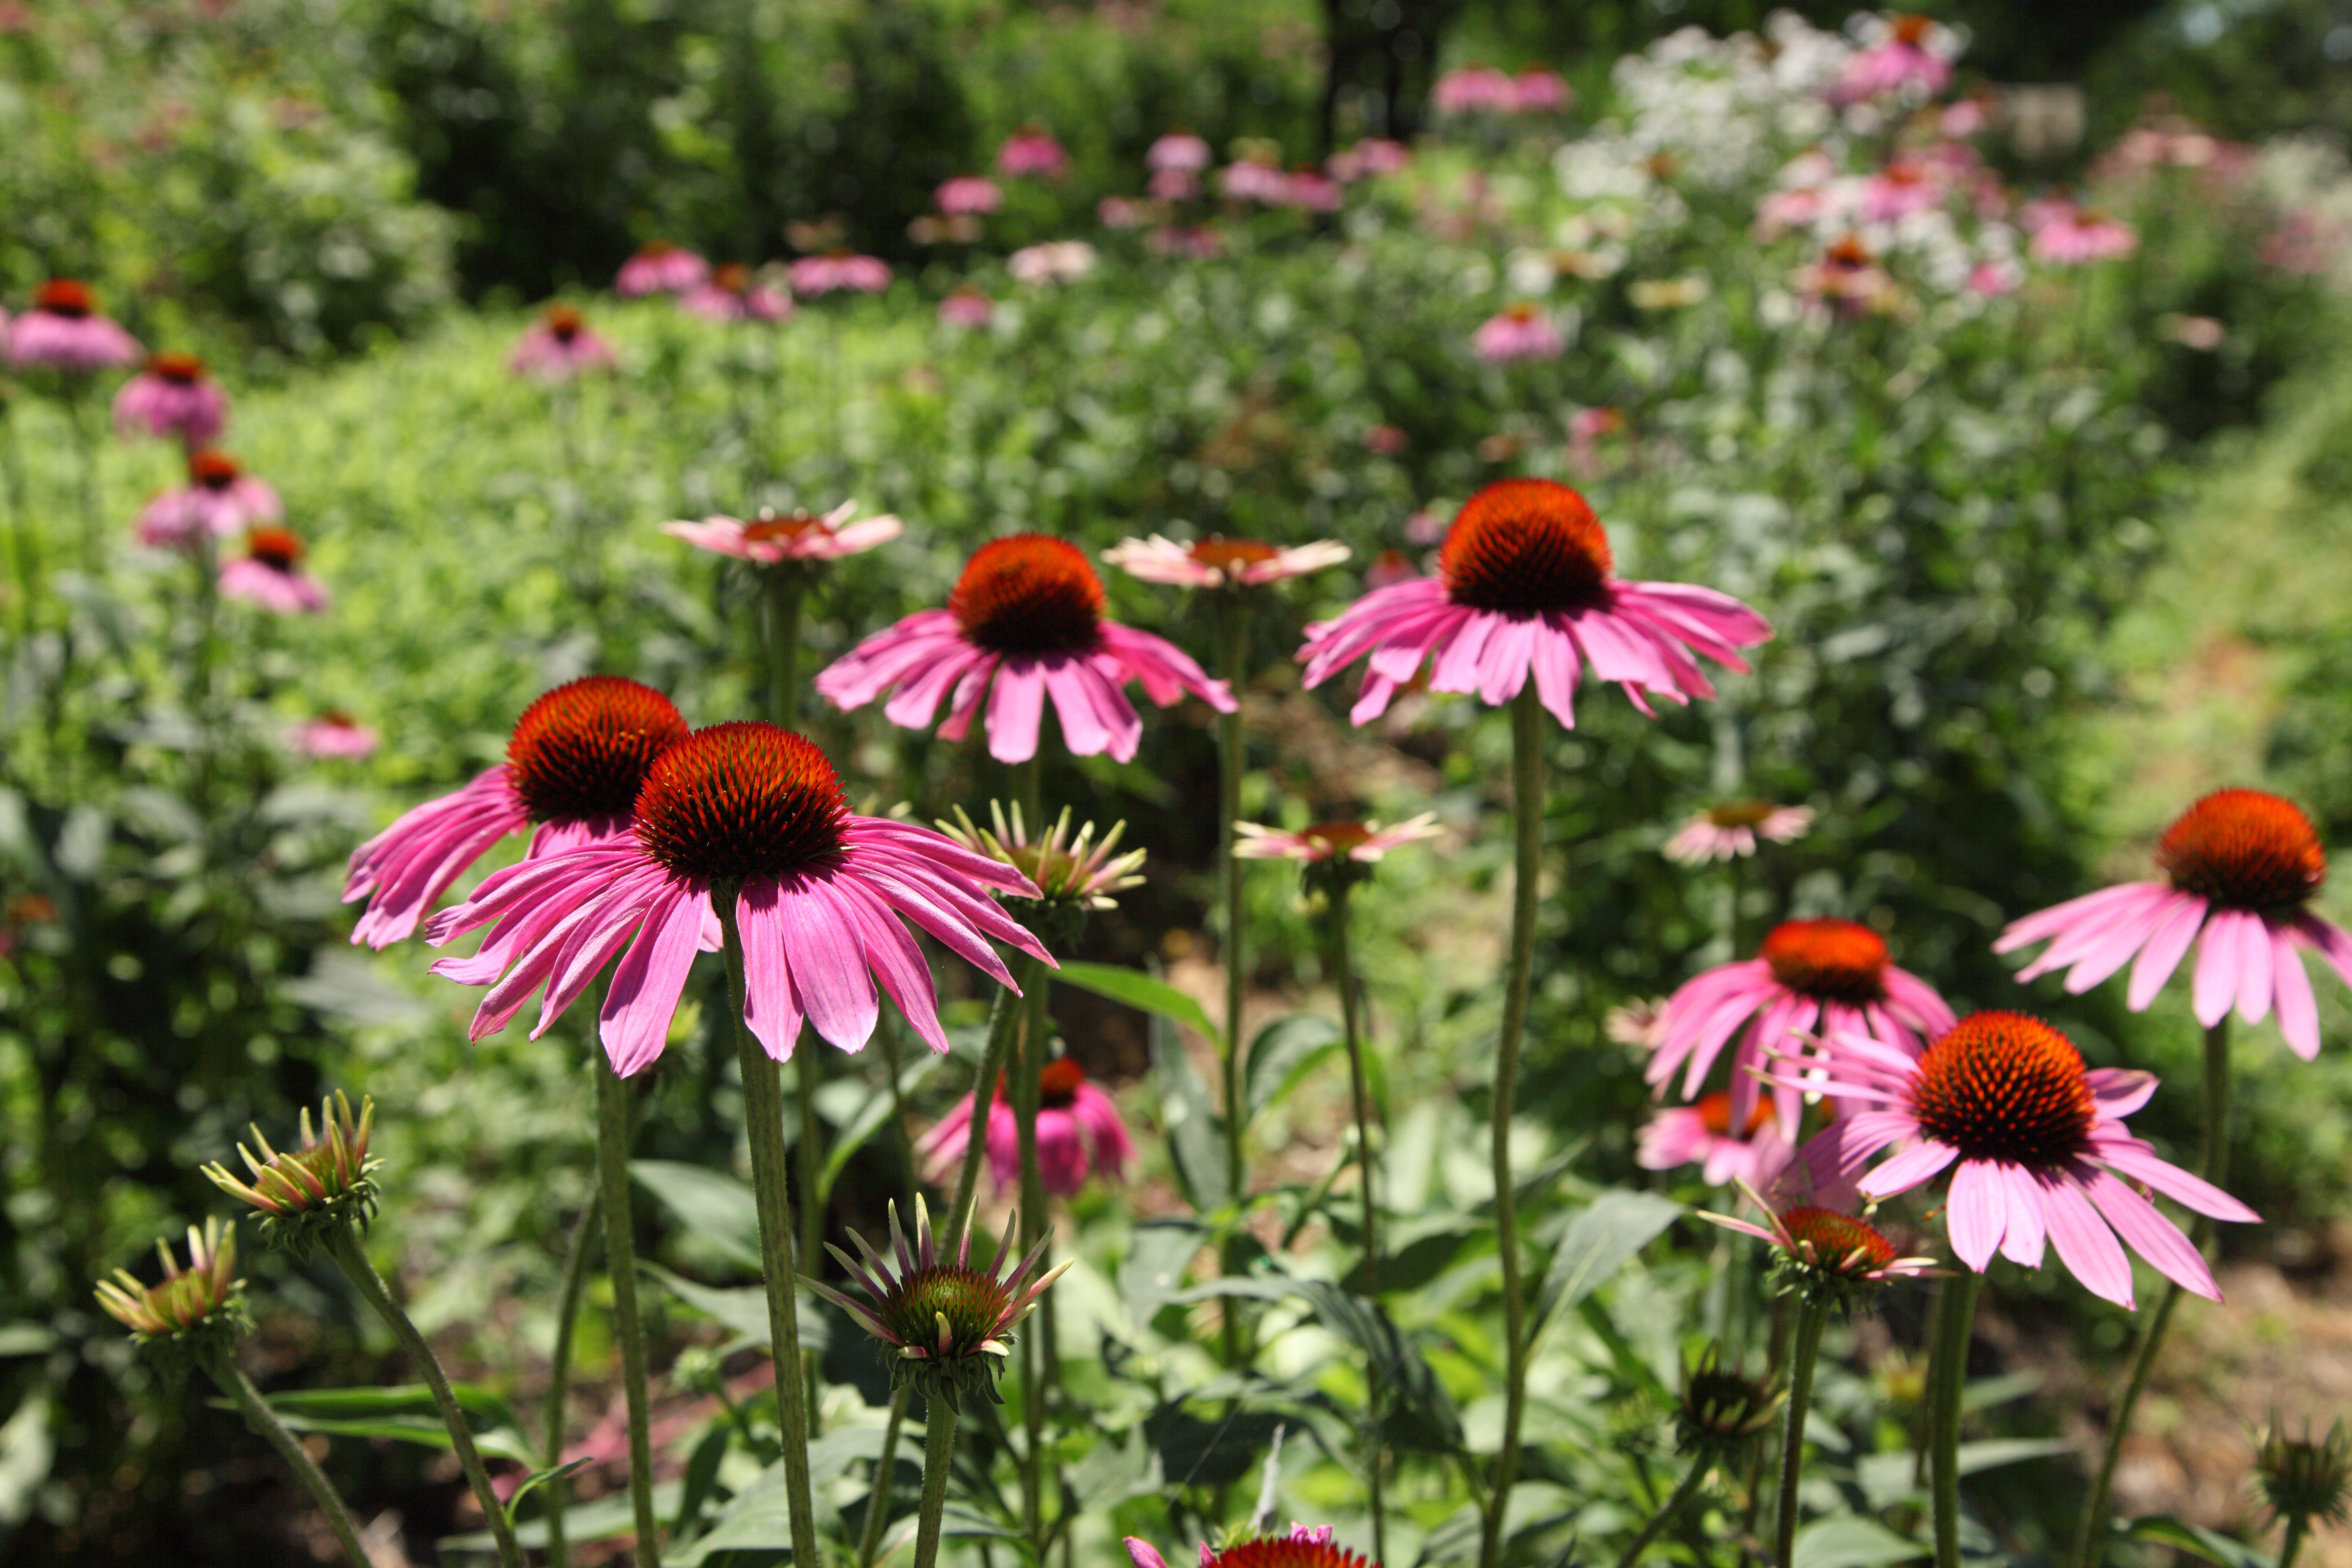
[(1426, 526), (1368, 159), (2304, 242), (2079, 236), (1217, 562), (1899, 190), (1366, 842), (1730, 830), (1385, 440), (1173, 185), (839, 269), (732, 296), (1030, 151), (1080, 1132), (1254, 180), (1995, 275), (659, 267), (1587, 429), (63, 330), (332, 734), (1701, 1135), (172, 396), (1521, 332), (770, 539), (559, 346), (1911, 55), (1054, 261), (1476, 90), (966, 307), (1180, 151), (1190, 244), (968, 194), (268, 575), (1311, 190), (1536, 90), (1122, 212), (220, 501), (1389, 567)]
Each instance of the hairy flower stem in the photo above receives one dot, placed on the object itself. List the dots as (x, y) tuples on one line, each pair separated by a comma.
[(1809, 1321), (764, 1114), (559, 1372), (1036, 1349), (1231, 759), (24, 542), (220, 1365), (343, 1245), (878, 1501), (1948, 1376), (1003, 1026), (621, 1266), (939, 1457), (2213, 1164), (2296, 1525), (1343, 972), (1527, 825), (1666, 1512), (93, 516)]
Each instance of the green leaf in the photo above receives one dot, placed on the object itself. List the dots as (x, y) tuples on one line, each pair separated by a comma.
[(598, 1520), (871, 1118), (1281, 1057), (1850, 1541), (1138, 989), (1420, 1414), (483, 1404), (1888, 1478), (716, 1207), (496, 1442), (1598, 1242), (1417, 1253), (742, 1307), (532, 1481), (26, 1339), (2211, 1545), (1153, 1272), (1195, 1133), (27, 1451)]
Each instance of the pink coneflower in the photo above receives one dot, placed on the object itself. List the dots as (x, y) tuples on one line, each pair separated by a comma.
[(769, 537), (1476, 90), (2241, 870), (1386, 440), (1178, 151), (1587, 429), (333, 733), (1995, 276), (1080, 1133), (1524, 589), (560, 345), (756, 814), (269, 575), (1536, 90), (660, 268), (1172, 185), (1897, 191), (1426, 526), (172, 396), (1054, 261), (966, 308), (1846, 276), (1254, 180), (1702, 1135), (1188, 244), (1217, 562), (1025, 622), (1910, 55), (2039, 1145), (967, 195), (1365, 842), (1122, 212), (1389, 568), (1521, 332), (1371, 157), (220, 501), (939, 1310), (1310, 189), (731, 295), (1829, 974), (1722, 832), (574, 763), (1302, 1548), (839, 269), (1825, 1245), (1030, 151), (63, 330), (2076, 237)]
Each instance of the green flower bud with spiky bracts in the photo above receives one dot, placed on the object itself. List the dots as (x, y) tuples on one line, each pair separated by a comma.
[(951, 1324), (328, 1181), (1822, 1257), (1721, 1409), (1073, 873), (206, 1298), (2306, 1478)]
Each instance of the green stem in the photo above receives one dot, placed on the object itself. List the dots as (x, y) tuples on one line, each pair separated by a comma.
[(1231, 759), (221, 1364), (1003, 1026), (2295, 1526), (764, 1114), (1810, 1320), (1036, 1358), (93, 520), (1343, 972), (1948, 1376), (2213, 1164), (559, 1372), (785, 586), (1527, 823), (343, 1245), (26, 546), (621, 1266), (1664, 1516), (878, 1503), (939, 1457)]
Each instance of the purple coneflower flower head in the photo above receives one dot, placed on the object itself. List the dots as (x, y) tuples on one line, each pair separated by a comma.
[(1367, 843), (1054, 261), (1536, 90), (733, 295), (1074, 870), (63, 330), (1523, 591), (1829, 974), (1217, 562), (1704, 1135), (1254, 180), (1180, 151), (1310, 189), (270, 573), (1030, 151), (1516, 332), (1901, 54), (838, 269), (2079, 236), (1899, 190), (220, 501), (1368, 159), (2241, 868), (1186, 243), (1304, 1547), (574, 764), (659, 267), (560, 345), (332, 734), (755, 815), (966, 307), (948, 1324), (1476, 90), (206, 1294), (968, 194), (1080, 1133), (172, 396), (1727, 831), (772, 537), (1025, 622), (2036, 1146), (1825, 1257)]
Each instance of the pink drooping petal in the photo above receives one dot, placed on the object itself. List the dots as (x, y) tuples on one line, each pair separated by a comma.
[(2086, 1245), (1090, 698), (2130, 1157), (918, 696), (770, 1011), (886, 657), (595, 936), (2119, 1092), (1143, 1555), (2150, 1234), (829, 976), (2254, 968), (2298, 1010), (2183, 916), (897, 961), (1977, 1213), (1918, 1005), (1908, 1169), (2097, 957), (1166, 671), (1106, 1130), (2217, 966), (652, 975), (2071, 915), (2330, 942), (1003, 1146), (2024, 1240), (2123, 909), (1016, 704), (1334, 644), (1558, 668), (428, 847), (1061, 1152), (1617, 652), (1505, 666)]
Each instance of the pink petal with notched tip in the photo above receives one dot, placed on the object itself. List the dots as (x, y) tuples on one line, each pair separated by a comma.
[(919, 695), (2059, 919), (2119, 1092), (1106, 1129), (2254, 968), (2298, 1010), (1380, 617), (770, 1012), (2023, 1242), (1908, 1169), (1976, 1216), (596, 935), (2095, 959), (1016, 704), (2150, 1234), (645, 987), (2217, 967), (2328, 941), (825, 962), (2130, 1157), (1083, 730), (2086, 1245), (1061, 1155), (1558, 669), (898, 965), (1618, 653), (2123, 910), (1372, 698), (1429, 633), (2166, 947), (1459, 660), (956, 915), (1166, 671), (1504, 667)]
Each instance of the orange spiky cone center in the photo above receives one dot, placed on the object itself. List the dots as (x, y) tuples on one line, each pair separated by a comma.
[(1838, 1238), (582, 750), (1523, 547), (1828, 960), (1283, 1551), (1715, 1114), (1224, 554), (212, 470), (276, 548), (741, 800), (2002, 1086), (2245, 851), (63, 297), (1029, 594), (180, 370)]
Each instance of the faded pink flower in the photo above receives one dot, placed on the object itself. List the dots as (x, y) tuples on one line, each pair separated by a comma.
[(1030, 151), (1217, 562), (771, 537), (1518, 332), (1536, 90), (839, 269), (1730, 830), (1310, 189), (1178, 151), (172, 396), (659, 267), (1254, 180), (1389, 568), (971, 194), (1902, 54), (1173, 185), (63, 330), (1899, 190), (1190, 244), (731, 295), (560, 345), (332, 734), (1080, 1133), (1368, 159), (220, 501), (1476, 90), (2077, 236), (1365, 842), (1702, 1135), (1054, 261), (966, 307), (269, 575)]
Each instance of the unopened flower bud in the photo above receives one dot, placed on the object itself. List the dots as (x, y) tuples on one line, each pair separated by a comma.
[(2304, 1477), (1721, 1409), (328, 1180), (204, 1297)]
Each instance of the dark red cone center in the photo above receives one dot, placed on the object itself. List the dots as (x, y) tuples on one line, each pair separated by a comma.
[(1029, 594), (2245, 851), (2001, 1086), (742, 800), (1830, 961), (582, 750), (1523, 547)]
